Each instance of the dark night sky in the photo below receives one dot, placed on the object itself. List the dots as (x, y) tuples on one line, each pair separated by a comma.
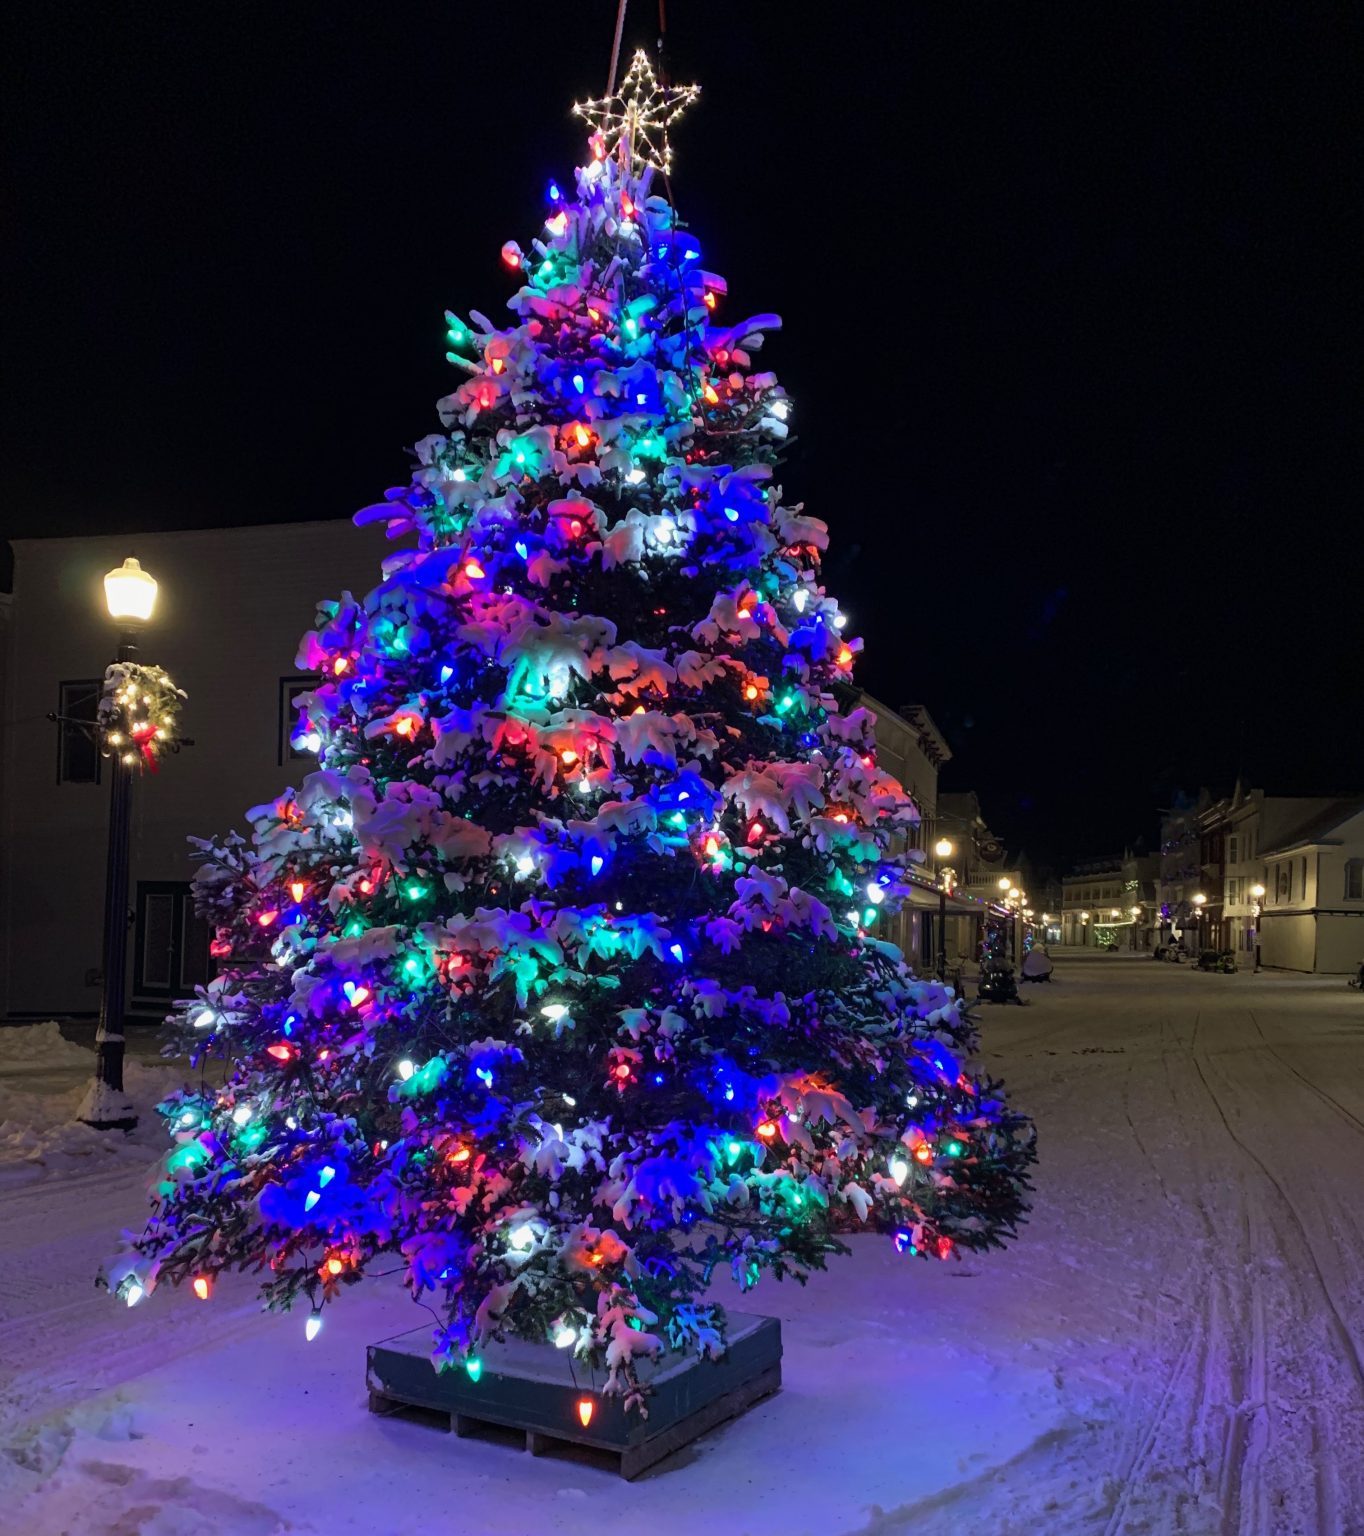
[(1072, 324)]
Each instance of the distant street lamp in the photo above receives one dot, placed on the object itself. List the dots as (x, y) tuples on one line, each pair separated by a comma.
[(130, 596), (1258, 892), (1199, 901), (944, 850)]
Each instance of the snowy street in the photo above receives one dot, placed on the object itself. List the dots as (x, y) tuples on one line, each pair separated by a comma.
[(1173, 1345)]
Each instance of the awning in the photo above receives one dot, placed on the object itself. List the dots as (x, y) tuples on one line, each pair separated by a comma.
[(924, 899)]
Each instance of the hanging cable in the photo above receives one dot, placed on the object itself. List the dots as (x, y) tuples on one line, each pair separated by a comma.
[(615, 47), (662, 41)]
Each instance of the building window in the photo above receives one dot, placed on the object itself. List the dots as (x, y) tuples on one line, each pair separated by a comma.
[(1302, 888), (1233, 843), (1283, 880), (291, 689), (77, 749), (1354, 879)]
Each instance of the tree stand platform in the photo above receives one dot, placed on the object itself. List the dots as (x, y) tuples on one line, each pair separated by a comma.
[(530, 1389)]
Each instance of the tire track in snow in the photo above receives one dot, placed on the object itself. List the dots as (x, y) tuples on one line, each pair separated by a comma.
[(1343, 1334), (1188, 1429), (1302, 1077)]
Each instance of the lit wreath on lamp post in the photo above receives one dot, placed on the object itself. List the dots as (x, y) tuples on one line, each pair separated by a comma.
[(135, 725)]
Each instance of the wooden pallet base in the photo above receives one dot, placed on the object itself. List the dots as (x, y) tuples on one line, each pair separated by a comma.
[(526, 1396)]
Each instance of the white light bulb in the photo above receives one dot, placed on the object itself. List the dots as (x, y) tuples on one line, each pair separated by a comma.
[(203, 1019), (134, 1294), (635, 476), (564, 1337), (912, 1100), (840, 619), (241, 1114), (899, 1169), (405, 1069), (521, 1238), (799, 598), (663, 532), (525, 865), (312, 1327), (554, 1011), (876, 893), (779, 409)]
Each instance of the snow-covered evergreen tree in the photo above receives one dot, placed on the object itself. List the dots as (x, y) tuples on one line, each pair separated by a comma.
[(559, 977)]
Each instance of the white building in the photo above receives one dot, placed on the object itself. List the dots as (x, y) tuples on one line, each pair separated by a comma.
[(232, 605), (1313, 916)]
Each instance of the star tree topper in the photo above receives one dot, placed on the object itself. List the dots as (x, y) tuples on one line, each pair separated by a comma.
[(634, 122)]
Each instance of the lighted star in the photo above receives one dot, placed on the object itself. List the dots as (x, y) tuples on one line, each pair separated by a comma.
[(635, 121)]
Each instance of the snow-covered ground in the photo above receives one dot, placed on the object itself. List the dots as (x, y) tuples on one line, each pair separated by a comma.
[(1173, 1346)]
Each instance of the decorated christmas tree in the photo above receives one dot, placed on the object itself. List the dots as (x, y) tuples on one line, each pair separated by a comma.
[(559, 978)]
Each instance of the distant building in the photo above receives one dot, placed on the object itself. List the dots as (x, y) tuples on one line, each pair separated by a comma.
[(1089, 896), (1219, 853)]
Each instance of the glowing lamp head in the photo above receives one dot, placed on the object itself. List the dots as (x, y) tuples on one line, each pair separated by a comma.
[(1199, 899), (130, 593), (944, 847), (1257, 891)]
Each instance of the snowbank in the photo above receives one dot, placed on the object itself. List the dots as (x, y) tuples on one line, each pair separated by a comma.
[(38, 1048), (43, 1079)]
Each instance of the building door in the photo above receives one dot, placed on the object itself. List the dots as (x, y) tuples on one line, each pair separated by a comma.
[(170, 947)]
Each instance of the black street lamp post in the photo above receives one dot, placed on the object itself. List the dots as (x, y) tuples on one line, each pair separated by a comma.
[(130, 594), (943, 849), (1258, 892)]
